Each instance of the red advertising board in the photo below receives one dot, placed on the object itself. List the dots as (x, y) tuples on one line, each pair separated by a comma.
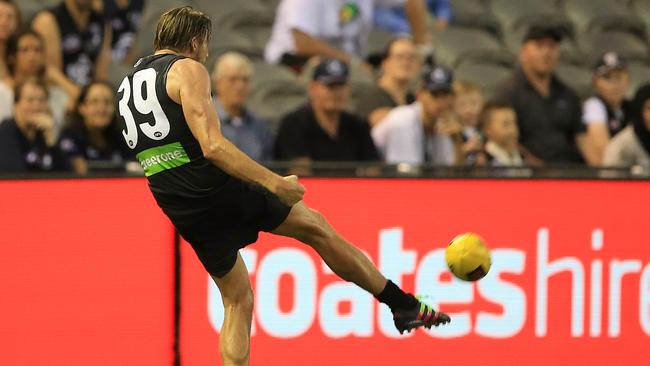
[(87, 274), (569, 284)]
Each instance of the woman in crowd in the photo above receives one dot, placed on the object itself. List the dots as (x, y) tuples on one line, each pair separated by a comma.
[(9, 20), (92, 133), (26, 59)]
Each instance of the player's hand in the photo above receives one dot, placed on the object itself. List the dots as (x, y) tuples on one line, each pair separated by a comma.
[(289, 191)]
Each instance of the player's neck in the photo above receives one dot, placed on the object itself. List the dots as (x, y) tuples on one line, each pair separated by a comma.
[(167, 51)]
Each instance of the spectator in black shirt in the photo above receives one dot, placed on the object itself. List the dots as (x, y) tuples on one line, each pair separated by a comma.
[(28, 140), (322, 130), (92, 133), (548, 111)]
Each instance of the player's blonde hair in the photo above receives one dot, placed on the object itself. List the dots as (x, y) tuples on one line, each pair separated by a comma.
[(179, 26)]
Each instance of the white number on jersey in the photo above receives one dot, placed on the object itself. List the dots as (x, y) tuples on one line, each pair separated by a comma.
[(149, 105)]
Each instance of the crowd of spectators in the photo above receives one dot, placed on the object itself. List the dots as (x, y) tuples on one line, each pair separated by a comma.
[(57, 109)]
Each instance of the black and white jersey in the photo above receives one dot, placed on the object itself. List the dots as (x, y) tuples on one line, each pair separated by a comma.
[(154, 128)]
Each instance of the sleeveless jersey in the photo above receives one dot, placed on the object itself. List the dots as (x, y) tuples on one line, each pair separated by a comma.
[(155, 130), (80, 49)]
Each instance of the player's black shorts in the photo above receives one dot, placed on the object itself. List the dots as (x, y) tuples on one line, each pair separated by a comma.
[(219, 224)]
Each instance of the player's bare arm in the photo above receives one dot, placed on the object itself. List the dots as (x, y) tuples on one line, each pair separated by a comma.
[(188, 84)]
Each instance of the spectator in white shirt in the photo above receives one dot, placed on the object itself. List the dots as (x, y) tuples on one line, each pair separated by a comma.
[(412, 133), (332, 29), (605, 113)]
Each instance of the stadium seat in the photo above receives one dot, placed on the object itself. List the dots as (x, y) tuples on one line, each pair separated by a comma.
[(642, 9), (625, 44), (639, 75), (578, 78), (250, 28), (598, 15), (456, 45), (488, 76), (377, 41), (29, 8), (218, 8), (116, 72), (272, 100), (474, 14), (358, 87), (264, 72), (271, 4), (513, 15)]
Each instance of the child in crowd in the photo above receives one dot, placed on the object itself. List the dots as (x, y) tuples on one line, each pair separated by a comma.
[(499, 124), (468, 104)]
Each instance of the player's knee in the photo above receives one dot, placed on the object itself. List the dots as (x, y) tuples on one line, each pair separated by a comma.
[(318, 231), (243, 300)]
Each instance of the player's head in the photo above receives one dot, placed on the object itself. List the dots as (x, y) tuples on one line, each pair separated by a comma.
[(184, 30)]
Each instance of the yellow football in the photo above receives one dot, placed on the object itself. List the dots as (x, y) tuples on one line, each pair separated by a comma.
[(468, 258)]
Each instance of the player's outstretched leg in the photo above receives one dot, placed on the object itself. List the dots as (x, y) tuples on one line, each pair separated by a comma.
[(349, 263), (237, 295)]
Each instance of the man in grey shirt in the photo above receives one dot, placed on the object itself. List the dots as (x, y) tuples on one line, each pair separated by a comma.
[(231, 82), (410, 133)]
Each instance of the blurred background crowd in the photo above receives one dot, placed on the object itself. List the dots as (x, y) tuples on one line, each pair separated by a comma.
[(471, 83)]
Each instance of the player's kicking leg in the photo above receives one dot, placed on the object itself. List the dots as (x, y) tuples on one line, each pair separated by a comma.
[(237, 295), (349, 263)]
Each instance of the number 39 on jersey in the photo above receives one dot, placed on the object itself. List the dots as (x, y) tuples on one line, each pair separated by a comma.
[(145, 101)]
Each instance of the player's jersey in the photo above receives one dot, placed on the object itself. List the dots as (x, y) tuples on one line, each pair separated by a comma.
[(155, 129)]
